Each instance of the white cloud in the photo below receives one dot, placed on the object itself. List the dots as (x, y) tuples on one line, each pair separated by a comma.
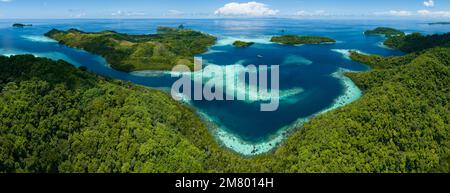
[(429, 3), (174, 13), (79, 15), (303, 13), (253, 8), (6, 1), (127, 13), (420, 13), (423, 12), (428, 13), (398, 13), (76, 13)]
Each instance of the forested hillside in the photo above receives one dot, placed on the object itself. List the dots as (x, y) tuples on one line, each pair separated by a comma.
[(56, 118), (401, 124), (417, 42)]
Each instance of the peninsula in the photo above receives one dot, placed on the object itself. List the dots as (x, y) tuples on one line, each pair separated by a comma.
[(161, 51), (295, 39)]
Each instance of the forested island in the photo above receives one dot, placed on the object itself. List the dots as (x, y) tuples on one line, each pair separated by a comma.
[(386, 31), (242, 44), (161, 51), (295, 39), (20, 25), (57, 118)]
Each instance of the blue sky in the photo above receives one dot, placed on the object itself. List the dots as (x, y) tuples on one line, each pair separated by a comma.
[(26, 9)]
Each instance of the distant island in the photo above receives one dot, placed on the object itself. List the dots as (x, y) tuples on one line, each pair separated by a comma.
[(161, 51), (21, 25), (242, 44), (295, 39), (384, 31), (439, 23)]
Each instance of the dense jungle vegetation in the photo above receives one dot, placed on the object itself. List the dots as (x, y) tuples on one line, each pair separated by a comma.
[(242, 44), (386, 31), (417, 42), (56, 118), (160, 51), (295, 39), (401, 124)]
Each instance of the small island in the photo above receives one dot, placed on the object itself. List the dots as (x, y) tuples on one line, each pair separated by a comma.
[(20, 25), (386, 31), (439, 23), (295, 39), (161, 51), (242, 44)]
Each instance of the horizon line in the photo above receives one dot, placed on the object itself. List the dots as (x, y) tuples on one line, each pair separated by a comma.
[(181, 18)]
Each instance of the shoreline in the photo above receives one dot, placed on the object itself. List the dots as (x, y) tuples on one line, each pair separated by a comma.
[(345, 53), (50, 55), (381, 45), (229, 40), (236, 144), (38, 38)]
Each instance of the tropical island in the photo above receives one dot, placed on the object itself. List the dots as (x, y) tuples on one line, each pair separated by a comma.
[(386, 31), (161, 51), (62, 119), (20, 25), (295, 39), (242, 44)]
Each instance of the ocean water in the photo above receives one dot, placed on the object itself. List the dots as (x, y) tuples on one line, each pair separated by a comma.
[(311, 78)]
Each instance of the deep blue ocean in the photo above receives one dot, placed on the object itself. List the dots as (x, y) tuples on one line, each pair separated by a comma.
[(307, 84)]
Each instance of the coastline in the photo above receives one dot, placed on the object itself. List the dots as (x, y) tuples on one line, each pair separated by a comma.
[(50, 55), (235, 143), (39, 38), (229, 40), (381, 45), (346, 52)]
